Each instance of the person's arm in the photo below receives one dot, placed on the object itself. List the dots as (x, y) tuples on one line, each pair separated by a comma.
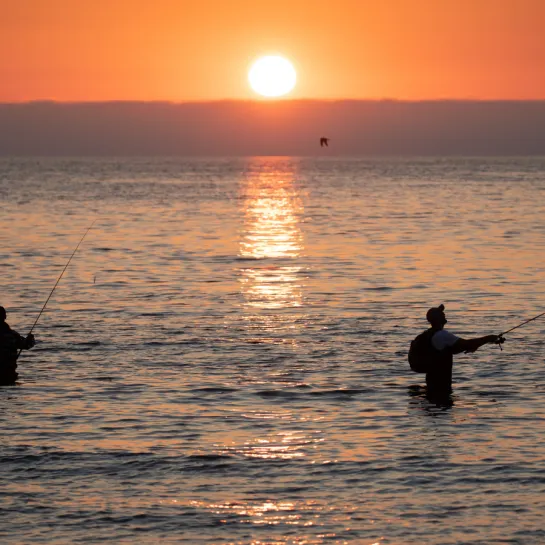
[(22, 343), (470, 345)]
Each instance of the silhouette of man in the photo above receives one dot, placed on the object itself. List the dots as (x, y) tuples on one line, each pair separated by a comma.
[(443, 346), (324, 142), (10, 343)]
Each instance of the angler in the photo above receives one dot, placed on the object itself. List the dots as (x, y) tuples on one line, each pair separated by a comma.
[(432, 352), (10, 343)]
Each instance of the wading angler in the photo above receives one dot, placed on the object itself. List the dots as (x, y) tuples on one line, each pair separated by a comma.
[(432, 352), (11, 344)]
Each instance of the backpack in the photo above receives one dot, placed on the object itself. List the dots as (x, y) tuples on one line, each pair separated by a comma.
[(422, 354)]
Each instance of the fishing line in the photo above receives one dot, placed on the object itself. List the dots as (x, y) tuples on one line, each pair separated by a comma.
[(57, 282)]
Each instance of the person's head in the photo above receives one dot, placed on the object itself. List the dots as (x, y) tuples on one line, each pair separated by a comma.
[(2, 314), (436, 316)]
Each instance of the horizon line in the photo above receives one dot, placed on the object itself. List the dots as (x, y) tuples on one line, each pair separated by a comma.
[(278, 101)]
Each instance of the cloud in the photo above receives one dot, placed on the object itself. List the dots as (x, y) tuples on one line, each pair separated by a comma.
[(285, 127)]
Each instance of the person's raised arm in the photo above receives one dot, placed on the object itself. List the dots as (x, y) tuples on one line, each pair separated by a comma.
[(470, 345)]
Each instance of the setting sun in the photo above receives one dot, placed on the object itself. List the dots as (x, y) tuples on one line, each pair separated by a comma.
[(272, 76)]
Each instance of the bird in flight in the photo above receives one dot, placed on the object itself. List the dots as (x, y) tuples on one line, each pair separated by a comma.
[(324, 142)]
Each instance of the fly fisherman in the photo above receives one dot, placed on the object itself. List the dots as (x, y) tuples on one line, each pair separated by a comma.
[(432, 352), (10, 343)]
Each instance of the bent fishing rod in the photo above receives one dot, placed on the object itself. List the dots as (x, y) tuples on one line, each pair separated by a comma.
[(57, 283), (500, 336)]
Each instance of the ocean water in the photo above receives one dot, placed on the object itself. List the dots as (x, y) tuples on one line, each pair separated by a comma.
[(224, 361)]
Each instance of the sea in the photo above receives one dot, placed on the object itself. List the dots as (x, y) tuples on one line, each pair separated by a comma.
[(224, 360)]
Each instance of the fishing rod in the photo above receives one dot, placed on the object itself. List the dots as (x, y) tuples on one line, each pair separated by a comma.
[(500, 336), (57, 283)]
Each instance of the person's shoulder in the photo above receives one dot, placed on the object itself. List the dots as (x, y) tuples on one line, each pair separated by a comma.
[(4, 328), (6, 331), (426, 334), (443, 338), (446, 335), (444, 332)]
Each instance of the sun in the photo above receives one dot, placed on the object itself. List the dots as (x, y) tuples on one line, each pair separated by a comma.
[(272, 76)]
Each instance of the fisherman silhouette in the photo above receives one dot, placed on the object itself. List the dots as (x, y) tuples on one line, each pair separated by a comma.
[(10, 343), (439, 346), (324, 142)]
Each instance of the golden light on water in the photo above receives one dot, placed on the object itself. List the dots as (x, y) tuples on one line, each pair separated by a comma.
[(272, 214), (268, 512), (274, 287), (288, 445)]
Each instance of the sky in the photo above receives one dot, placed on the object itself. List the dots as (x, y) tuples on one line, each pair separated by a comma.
[(201, 50)]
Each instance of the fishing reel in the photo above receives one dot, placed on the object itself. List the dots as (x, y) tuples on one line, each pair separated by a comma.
[(500, 340)]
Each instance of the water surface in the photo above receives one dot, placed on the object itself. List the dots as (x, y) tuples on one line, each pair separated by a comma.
[(224, 361)]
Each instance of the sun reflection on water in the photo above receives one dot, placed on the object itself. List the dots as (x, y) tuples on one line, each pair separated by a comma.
[(271, 237), (307, 514), (267, 512), (288, 444)]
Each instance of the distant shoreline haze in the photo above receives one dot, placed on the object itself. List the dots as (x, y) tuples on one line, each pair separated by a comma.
[(284, 127)]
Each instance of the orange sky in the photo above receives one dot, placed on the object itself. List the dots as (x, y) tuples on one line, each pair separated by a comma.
[(193, 50)]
